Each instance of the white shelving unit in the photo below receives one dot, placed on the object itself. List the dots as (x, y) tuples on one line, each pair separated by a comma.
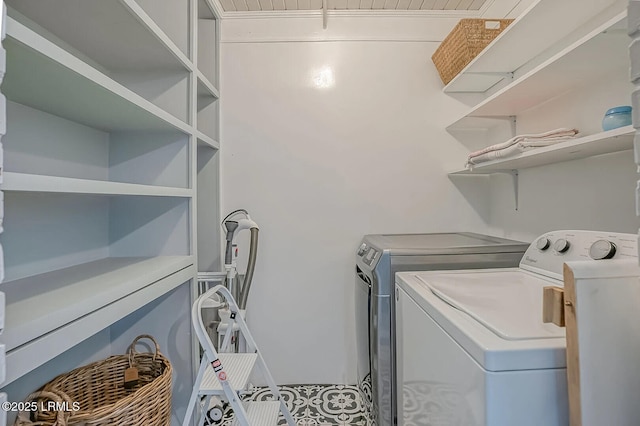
[(550, 51), (544, 24), (3, 129), (112, 140), (207, 117)]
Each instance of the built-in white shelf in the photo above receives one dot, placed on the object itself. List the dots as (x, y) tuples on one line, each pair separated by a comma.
[(593, 56), (543, 24), (25, 182), (111, 135), (205, 87), (44, 76), (134, 43), (208, 32), (602, 143), (49, 313), (206, 140)]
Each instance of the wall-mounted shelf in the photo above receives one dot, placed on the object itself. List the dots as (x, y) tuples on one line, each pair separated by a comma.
[(75, 297), (591, 57), (602, 143), (542, 25), (24, 182), (550, 51)]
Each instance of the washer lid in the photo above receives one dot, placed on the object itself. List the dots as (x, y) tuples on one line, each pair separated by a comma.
[(442, 243), (508, 303)]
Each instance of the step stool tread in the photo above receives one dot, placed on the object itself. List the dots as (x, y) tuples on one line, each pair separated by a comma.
[(263, 413), (238, 367)]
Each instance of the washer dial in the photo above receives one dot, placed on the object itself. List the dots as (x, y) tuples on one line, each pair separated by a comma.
[(561, 245), (543, 243), (602, 249)]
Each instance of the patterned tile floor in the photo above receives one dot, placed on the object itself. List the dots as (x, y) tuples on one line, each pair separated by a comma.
[(315, 405)]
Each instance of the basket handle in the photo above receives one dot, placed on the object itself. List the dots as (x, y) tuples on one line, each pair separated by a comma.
[(24, 417), (132, 348)]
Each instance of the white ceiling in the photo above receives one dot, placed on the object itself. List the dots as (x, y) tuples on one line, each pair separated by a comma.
[(259, 5)]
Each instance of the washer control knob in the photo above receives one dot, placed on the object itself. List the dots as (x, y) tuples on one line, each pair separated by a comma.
[(543, 243), (561, 245), (602, 249), (362, 249)]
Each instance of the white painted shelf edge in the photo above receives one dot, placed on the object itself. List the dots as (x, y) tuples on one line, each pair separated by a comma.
[(522, 41), (25, 182), (157, 32), (210, 88), (495, 101), (23, 359), (207, 140), (43, 46), (601, 143), (39, 304)]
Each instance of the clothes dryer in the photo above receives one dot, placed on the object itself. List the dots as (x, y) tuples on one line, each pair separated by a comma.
[(378, 258)]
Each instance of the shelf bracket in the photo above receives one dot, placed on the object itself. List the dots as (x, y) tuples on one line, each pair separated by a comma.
[(324, 14), (516, 185)]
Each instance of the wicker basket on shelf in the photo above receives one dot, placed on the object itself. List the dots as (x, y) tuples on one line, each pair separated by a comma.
[(467, 39), (101, 397)]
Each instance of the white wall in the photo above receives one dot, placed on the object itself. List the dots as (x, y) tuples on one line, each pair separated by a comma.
[(319, 168)]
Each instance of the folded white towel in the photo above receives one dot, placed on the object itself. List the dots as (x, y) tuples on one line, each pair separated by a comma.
[(514, 149), (550, 135)]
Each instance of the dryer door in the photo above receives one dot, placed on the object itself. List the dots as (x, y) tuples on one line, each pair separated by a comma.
[(363, 336)]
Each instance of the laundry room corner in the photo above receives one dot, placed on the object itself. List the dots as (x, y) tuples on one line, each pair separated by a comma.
[(329, 136), (319, 212)]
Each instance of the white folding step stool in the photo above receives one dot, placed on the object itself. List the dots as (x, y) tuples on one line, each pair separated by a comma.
[(225, 374)]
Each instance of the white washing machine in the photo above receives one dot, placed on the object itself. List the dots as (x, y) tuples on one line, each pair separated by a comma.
[(471, 346)]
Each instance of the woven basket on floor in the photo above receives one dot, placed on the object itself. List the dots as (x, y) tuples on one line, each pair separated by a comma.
[(33, 417), (102, 398), (464, 43)]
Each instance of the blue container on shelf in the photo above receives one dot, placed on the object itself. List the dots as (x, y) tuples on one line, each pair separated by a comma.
[(617, 117)]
